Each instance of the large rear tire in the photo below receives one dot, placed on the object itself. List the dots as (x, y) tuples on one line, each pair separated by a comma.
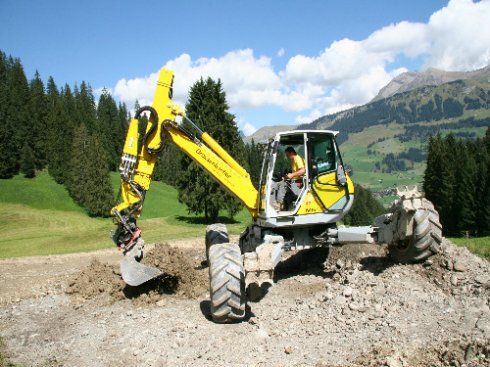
[(226, 283), (426, 238)]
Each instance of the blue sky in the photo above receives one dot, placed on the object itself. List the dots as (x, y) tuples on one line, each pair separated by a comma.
[(288, 51)]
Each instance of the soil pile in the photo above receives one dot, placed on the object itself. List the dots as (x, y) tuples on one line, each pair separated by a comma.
[(182, 276)]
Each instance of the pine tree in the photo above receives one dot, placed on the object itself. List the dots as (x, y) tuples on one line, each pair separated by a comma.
[(100, 196), (8, 163), (110, 128), (439, 178), (124, 117), (70, 123), (464, 191), (56, 140), (486, 140), (17, 109), (253, 158), (364, 209), (27, 161), (89, 183), (38, 115), (481, 202), (484, 202), (78, 178), (208, 108), (85, 107), (168, 168)]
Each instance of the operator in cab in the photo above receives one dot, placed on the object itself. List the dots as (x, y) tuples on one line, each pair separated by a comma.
[(297, 164), (284, 189)]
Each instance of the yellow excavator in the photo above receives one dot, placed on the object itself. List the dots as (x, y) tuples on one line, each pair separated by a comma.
[(316, 201)]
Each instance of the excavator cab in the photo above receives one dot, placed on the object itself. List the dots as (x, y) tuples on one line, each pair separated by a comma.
[(324, 194)]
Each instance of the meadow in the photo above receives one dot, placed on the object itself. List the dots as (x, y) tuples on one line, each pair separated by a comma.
[(38, 217)]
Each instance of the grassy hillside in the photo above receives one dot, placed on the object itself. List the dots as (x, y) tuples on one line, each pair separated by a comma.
[(392, 126), (39, 218)]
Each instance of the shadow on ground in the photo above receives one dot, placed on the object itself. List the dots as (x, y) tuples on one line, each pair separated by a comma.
[(205, 306), (305, 262), (163, 284), (377, 264), (204, 221)]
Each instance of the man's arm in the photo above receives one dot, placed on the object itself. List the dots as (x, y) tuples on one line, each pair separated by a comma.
[(298, 173), (300, 165)]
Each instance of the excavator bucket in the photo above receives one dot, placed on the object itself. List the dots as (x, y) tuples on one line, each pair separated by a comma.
[(135, 273)]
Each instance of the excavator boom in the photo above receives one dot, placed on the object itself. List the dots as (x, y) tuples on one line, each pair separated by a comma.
[(138, 163)]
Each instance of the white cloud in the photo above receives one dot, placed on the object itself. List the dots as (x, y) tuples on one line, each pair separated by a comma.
[(246, 127), (459, 36), (313, 115), (137, 89), (346, 73)]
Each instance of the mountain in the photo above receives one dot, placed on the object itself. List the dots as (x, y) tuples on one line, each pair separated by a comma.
[(267, 132), (413, 79), (445, 103), (384, 142)]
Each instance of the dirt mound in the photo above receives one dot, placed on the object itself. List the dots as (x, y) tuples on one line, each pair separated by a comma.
[(97, 280), (456, 352), (182, 265), (182, 276)]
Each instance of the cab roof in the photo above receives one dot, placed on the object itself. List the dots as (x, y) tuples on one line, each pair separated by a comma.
[(290, 132)]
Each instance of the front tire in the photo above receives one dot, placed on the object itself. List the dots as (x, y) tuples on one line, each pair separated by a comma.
[(215, 234), (226, 283), (426, 238)]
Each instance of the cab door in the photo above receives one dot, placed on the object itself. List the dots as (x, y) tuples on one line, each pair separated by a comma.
[(330, 185)]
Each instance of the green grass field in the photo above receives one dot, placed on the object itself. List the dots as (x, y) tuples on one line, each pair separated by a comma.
[(39, 218), (355, 154), (479, 246)]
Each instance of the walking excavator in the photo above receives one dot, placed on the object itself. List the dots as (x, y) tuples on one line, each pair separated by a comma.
[(317, 201)]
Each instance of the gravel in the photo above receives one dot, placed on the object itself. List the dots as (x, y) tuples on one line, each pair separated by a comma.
[(358, 308)]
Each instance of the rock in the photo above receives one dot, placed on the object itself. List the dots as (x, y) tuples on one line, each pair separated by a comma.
[(480, 279), (459, 266), (357, 307), (161, 303), (483, 324), (347, 292), (470, 354), (393, 362), (353, 306), (262, 334), (454, 280), (340, 263), (448, 264), (288, 349), (329, 296)]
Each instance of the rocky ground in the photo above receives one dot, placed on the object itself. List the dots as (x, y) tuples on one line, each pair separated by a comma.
[(350, 306)]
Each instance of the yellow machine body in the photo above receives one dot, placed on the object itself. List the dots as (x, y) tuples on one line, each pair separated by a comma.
[(321, 200)]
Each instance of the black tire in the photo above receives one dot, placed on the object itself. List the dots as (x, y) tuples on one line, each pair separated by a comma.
[(226, 283), (426, 239), (215, 234)]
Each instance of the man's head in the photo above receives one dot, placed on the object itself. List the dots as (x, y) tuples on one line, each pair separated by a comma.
[(290, 152)]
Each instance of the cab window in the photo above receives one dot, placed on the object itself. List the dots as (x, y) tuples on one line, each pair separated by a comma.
[(323, 157)]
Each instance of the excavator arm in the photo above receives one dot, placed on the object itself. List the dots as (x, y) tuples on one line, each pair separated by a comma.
[(165, 124)]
